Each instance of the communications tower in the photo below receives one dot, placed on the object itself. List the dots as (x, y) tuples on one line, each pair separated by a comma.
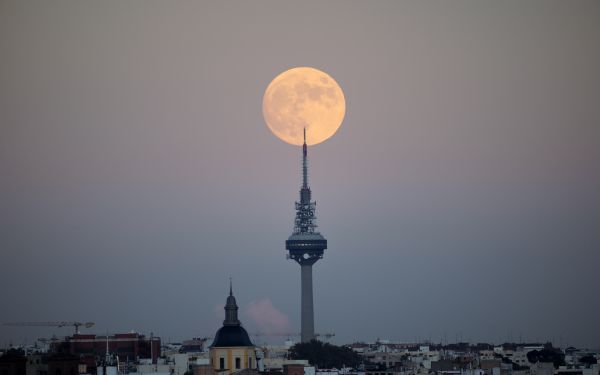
[(306, 246)]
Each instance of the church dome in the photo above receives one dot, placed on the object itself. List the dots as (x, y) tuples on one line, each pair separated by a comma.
[(228, 336), (232, 333)]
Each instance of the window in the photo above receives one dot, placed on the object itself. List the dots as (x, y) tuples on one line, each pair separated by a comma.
[(222, 363), (237, 362), (249, 362)]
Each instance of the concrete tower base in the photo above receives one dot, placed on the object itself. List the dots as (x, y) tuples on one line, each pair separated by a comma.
[(307, 322)]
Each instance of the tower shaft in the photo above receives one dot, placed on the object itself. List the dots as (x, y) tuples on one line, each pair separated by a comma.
[(307, 314)]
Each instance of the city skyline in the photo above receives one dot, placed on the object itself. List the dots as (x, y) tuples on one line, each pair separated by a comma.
[(460, 196)]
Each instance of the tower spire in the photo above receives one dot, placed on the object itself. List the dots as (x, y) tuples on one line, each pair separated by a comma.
[(305, 209), (304, 163), (231, 309)]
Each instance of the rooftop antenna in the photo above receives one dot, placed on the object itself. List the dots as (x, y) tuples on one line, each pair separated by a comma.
[(107, 356)]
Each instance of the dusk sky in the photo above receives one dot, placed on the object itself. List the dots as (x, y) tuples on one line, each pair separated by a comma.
[(460, 197)]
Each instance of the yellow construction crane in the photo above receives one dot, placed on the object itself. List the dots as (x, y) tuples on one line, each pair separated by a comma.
[(51, 324), (327, 336)]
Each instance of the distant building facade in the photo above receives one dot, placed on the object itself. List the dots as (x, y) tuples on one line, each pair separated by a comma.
[(128, 347), (13, 362)]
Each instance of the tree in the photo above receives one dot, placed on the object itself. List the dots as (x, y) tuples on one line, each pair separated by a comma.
[(588, 360), (324, 355), (548, 354)]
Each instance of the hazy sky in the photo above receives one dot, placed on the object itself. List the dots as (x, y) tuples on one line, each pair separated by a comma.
[(460, 197)]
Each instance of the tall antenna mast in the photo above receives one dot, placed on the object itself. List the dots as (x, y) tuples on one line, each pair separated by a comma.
[(304, 163)]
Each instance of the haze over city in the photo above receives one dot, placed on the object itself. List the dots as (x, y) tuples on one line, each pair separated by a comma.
[(459, 197)]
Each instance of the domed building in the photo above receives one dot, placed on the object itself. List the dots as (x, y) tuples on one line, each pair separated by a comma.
[(232, 350)]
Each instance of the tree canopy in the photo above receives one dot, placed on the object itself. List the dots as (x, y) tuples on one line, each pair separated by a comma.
[(548, 354), (588, 360), (324, 355)]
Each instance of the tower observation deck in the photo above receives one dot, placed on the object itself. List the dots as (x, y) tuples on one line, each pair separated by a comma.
[(306, 246)]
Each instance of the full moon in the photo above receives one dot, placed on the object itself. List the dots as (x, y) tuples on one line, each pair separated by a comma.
[(302, 98)]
